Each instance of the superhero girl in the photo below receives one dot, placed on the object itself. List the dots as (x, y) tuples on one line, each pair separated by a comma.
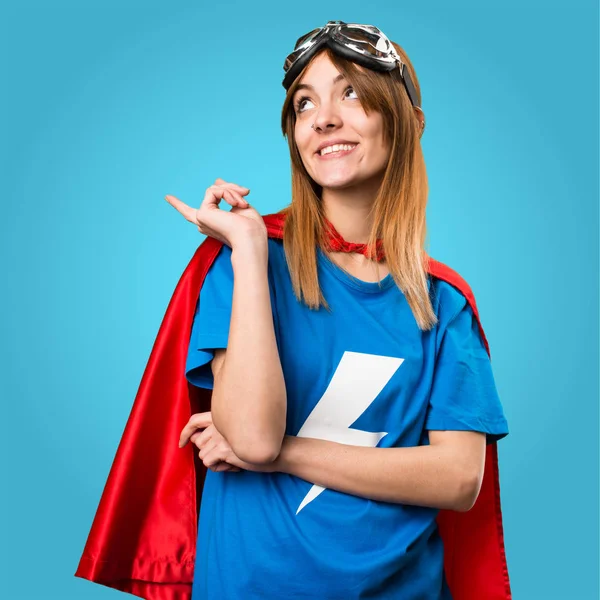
[(344, 414)]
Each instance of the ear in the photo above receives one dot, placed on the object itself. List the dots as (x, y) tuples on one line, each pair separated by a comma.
[(421, 118)]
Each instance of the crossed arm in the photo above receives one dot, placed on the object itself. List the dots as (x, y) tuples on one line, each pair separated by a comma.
[(447, 474)]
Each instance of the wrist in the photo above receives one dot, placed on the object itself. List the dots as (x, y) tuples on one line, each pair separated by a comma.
[(284, 461), (253, 249)]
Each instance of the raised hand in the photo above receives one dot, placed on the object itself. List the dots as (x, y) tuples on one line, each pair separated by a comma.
[(230, 227)]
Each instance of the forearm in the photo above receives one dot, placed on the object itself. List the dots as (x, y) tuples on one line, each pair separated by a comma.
[(249, 397), (423, 475)]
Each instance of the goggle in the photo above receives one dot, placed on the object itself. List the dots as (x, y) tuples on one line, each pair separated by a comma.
[(365, 45)]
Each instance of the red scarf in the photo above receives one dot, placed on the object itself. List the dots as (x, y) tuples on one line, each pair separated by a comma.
[(338, 244)]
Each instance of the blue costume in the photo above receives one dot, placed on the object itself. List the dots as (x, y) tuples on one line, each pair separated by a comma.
[(363, 374)]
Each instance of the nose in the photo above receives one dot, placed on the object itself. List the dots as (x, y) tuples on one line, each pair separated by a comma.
[(327, 117)]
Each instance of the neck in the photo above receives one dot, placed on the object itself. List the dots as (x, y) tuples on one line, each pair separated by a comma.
[(348, 209)]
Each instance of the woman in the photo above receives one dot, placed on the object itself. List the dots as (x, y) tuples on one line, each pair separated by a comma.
[(341, 392), (326, 400)]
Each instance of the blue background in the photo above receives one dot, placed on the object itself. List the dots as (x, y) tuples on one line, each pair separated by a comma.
[(108, 106)]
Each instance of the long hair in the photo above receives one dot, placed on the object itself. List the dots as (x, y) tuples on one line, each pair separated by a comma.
[(398, 211)]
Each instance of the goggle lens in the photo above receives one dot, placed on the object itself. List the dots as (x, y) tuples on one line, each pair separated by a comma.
[(369, 39), (307, 38), (301, 47), (366, 39)]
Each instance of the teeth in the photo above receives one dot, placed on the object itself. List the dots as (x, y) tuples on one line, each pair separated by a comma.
[(336, 148)]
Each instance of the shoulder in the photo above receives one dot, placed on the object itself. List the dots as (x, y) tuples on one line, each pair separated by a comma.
[(447, 300), (453, 298), (450, 292)]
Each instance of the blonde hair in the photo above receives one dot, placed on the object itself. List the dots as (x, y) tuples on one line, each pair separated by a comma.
[(398, 210)]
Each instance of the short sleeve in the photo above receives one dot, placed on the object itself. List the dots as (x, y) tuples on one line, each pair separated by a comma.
[(210, 329), (464, 395), (212, 318)]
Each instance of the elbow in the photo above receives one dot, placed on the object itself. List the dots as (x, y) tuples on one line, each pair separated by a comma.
[(252, 448), (259, 447), (258, 453), (262, 444), (468, 493), (255, 436)]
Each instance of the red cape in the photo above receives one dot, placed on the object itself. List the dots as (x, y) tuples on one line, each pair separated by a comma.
[(143, 537)]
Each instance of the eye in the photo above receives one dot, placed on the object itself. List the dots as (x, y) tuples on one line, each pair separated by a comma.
[(351, 89), (300, 101)]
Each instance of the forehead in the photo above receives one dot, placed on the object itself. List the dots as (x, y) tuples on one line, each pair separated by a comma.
[(320, 73)]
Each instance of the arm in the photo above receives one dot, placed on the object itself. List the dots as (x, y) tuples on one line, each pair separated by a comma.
[(447, 474), (249, 399)]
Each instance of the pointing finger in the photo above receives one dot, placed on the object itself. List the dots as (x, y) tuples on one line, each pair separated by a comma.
[(187, 211)]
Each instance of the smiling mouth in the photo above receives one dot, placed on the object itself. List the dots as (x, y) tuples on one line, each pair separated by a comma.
[(336, 154)]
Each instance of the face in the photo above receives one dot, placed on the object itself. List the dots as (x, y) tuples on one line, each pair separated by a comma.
[(335, 109)]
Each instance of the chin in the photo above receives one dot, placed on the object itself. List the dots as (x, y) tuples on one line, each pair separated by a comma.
[(341, 181), (336, 184)]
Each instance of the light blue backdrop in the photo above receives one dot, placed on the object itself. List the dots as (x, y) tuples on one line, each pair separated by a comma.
[(108, 106)]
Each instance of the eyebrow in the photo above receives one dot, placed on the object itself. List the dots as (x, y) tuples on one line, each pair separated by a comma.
[(306, 86)]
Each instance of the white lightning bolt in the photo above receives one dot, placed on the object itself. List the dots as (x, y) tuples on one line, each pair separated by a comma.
[(357, 381)]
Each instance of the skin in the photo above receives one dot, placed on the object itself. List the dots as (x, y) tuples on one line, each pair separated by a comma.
[(349, 183), (244, 226)]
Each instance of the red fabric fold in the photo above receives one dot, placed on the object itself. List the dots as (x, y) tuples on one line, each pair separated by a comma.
[(336, 243), (143, 536)]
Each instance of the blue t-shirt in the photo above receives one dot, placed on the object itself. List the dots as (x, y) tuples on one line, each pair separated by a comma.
[(362, 374)]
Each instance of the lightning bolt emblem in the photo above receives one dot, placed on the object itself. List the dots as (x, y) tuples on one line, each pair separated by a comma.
[(348, 395)]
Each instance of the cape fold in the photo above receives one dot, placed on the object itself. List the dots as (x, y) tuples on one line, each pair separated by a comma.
[(143, 536)]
